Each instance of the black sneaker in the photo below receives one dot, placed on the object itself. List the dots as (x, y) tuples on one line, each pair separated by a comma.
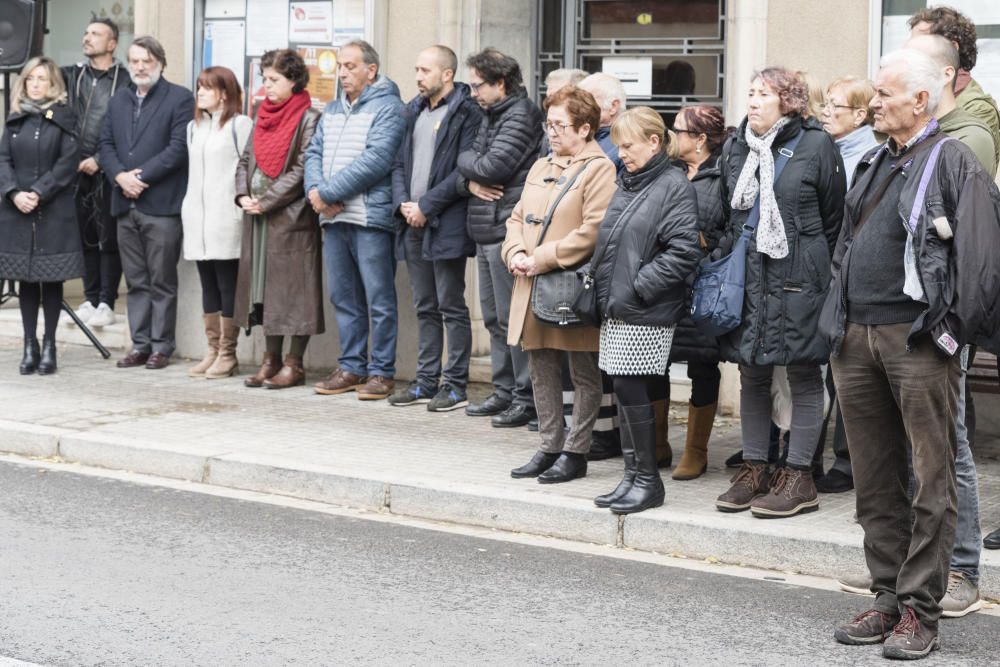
[(412, 395), (448, 398)]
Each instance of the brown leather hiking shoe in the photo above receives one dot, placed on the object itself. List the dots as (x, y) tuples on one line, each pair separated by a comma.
[(292, 374), (376, 388), (339, 382), (910, 639), (792, 492), (870, 627), (750, 481)]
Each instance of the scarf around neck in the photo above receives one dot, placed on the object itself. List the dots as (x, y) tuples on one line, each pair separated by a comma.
[(272, 134), (31, 106), (771, 229)]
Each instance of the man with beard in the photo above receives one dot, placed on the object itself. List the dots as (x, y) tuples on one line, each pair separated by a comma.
[(91, 84), (143, 151), (442, 121)]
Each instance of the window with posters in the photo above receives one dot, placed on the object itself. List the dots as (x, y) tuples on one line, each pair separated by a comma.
[(236, 33)]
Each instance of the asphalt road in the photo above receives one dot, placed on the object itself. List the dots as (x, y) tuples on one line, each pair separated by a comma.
[(96, 571)]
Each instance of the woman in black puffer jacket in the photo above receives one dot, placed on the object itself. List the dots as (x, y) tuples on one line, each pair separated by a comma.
[(646, 249), (701, 131)]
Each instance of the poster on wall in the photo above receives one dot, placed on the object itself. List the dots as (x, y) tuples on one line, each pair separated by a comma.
[(636, 74), (310, 22), (223, 45), (225, 9), (348, 21), (322, 65), (267, 26)]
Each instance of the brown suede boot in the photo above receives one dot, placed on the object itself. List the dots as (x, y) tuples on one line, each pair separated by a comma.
[(212, 333), (268, 369), (225, 363), (664, 454), (694, 462), (291, 374)]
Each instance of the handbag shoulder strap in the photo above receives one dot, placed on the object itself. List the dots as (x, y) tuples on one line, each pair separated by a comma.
[(785, 154), (552, 209)]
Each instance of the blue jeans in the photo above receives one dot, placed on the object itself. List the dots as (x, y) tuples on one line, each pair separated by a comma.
[(968, 536), (361, 278)]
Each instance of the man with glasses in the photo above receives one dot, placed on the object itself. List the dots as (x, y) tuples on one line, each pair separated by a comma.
[(493, 173)]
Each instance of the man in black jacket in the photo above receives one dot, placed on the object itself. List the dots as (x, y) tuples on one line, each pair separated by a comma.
[(493, 171), (143, 152), (91, 84), (442, 121), (903, 300)]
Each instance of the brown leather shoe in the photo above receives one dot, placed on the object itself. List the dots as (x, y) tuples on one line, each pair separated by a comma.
[(792, 492), (870, 627), (269, 367), (376, 388), (291, 374), (911, 639), (339, 382), (157, 360), (750, 481), (133, 359)]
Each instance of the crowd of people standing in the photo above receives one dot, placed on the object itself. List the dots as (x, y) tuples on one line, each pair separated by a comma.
[(107, 168)]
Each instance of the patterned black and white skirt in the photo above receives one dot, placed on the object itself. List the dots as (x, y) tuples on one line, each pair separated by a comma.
[(634, 349)]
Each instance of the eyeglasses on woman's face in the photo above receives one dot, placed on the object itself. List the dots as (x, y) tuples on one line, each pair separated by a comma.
[(555, 128)]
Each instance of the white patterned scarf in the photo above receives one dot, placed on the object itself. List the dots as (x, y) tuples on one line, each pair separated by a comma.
[(770, 230)]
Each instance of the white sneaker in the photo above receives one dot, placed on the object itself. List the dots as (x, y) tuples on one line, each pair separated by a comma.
[(102, 317), (85, 311)]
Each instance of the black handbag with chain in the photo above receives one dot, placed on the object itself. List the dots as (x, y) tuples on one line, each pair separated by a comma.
[(553, 293)]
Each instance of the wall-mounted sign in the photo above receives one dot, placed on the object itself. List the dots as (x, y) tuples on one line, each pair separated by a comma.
[(636, 74)]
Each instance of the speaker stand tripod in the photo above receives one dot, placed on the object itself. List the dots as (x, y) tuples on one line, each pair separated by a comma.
[(7, 291)]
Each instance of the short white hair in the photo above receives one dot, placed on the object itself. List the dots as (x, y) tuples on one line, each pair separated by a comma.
[(605, 89), (919, 72), (565, 76)]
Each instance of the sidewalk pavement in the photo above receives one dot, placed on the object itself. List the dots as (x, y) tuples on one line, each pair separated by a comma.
[(442, 467)]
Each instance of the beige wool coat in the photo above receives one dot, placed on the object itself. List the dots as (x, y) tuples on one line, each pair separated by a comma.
[(568, 243)]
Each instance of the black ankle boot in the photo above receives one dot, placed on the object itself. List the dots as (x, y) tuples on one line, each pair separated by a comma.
[(628, 453), (29, 362), (538, 464), (647, 488), (47, 365), (565, 469)]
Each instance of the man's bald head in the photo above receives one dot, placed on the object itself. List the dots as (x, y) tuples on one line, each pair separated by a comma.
[(941, 50), (445, 57)]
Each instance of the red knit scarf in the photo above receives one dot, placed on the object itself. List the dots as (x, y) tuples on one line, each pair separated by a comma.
[(272, 135)]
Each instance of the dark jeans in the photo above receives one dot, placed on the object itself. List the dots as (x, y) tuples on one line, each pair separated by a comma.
[(98, 231), (218, 285), (511, 377), (151, 247), (806, 384), (439, 299), (889, 395)]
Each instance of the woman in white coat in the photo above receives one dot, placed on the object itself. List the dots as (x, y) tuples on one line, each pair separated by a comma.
[(212, 220)]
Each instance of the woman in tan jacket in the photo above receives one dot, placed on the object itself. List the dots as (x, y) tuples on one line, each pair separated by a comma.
[(572, 119)]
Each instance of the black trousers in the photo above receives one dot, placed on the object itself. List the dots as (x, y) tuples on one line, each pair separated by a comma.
[(218, 285), (99, 233)]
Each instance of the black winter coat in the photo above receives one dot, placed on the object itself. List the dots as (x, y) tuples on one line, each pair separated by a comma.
[(689, 343), (155, 143), (445, 236), (506, 147), (90, 92), (784, 296), (39, 153), (644, 257)]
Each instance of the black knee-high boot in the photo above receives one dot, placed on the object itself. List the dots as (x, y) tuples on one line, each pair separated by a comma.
[(647, 488)]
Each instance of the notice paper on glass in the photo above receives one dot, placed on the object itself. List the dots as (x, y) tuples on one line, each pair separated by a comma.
[(225, 9), (267, 26), (310, 23), (348, 21), (223, 45), (636, 74)]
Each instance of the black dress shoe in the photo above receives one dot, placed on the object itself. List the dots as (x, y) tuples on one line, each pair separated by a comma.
[(538, 464), (604, 445), (834, 481), (47, 364), (493, 405), (29, 362), (992, 541), (157, 360), (133, 359), (736, 460), (514, 416), (533, 426), (566, 468)]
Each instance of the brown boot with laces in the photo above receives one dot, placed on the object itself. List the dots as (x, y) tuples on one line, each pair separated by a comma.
[(870, 627), (910, 639), (750, 481), (792, 492)]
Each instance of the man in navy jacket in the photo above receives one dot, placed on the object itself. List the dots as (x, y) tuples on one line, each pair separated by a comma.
[(143, 151), (442, 121)]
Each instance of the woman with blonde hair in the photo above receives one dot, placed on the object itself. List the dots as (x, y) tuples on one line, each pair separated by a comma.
[(647, 249), (849, 120), (39, 236)]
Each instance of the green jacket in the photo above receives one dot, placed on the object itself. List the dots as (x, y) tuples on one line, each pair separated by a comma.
[(962, 125), (981, 104)]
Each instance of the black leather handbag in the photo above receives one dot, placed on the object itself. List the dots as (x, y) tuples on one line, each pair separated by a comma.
[(553, 293)]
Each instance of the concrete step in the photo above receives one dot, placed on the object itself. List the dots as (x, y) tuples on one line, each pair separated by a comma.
[(113, 337)]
